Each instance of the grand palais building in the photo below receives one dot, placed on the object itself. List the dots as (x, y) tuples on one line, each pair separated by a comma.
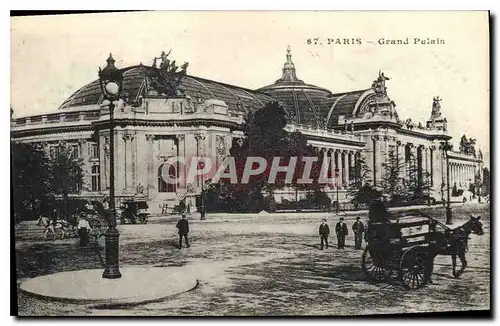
[(194, 116)]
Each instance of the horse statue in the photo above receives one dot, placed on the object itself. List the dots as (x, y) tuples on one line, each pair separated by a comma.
[(453, 242), (49, 226)]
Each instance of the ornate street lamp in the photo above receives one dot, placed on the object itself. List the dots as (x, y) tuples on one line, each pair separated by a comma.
[(203, 204), (445, 146), (110, 80)]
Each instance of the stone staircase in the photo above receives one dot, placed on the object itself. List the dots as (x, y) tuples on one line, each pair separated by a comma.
[(28, 230)]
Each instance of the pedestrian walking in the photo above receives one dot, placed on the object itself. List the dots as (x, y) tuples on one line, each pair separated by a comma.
[(358, 228), (183, 226), (324, 232), (341, 230), (83, 229)]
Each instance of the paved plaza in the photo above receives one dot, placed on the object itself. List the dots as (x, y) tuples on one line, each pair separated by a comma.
[(261, 265)]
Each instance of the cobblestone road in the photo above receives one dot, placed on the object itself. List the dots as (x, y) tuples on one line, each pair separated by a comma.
[(267, 266)]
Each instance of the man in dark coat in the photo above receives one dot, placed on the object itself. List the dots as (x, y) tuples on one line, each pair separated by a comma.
[(183, 226), (341, 230), (324, 232), (358, 228)]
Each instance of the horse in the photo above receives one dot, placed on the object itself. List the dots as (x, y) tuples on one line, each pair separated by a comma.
[(49, 226), (453, 242)]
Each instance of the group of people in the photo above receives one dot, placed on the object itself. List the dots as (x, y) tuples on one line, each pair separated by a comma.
[(341, 230)]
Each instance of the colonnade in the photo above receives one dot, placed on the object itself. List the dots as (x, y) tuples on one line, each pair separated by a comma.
[(428, 160), (342, 163), (462, 174)]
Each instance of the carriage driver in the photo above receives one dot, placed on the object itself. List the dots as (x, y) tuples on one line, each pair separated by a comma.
[(83, 229)]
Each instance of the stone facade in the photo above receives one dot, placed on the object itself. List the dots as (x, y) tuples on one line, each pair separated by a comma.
[(205, 117)]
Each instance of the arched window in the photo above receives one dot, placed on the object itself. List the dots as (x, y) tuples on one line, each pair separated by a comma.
[(165, 185), (96, 178)]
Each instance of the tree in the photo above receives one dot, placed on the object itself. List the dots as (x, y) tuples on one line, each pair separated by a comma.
[(66, 172), (267, 138), (393, 186), (31, 175), (486, 182), (418, 185), (360, 189)]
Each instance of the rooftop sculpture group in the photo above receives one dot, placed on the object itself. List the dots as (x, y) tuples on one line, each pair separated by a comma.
[(166, 80), (467, 146)]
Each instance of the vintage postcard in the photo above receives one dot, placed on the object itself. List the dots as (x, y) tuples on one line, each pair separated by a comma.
[(251, 163)]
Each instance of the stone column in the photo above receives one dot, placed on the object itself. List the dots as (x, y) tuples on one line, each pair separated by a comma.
[(325, 159), (127, 139), (426, 162), (435, 167), (134, 162), (461, 174), (405, 160), (452, 174), (411, 160), (470, 179), (150, 162), (344, 169), (181, 152), (332, 162), (357, 159), (351, 165), (348, 170), (464, 174), (471, 175), (200, 151), (375, 160), (399, 152), (454, 178), (339, 166)]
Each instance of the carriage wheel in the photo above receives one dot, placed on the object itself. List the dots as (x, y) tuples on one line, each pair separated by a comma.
[(373, 269), (414, 267)]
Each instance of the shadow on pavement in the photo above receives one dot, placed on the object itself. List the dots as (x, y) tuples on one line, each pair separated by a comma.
[(42, 259)]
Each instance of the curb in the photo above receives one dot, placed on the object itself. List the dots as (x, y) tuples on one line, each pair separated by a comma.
[(125, 305), (103, 301)]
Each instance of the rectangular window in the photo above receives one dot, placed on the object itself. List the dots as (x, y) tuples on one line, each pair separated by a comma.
[(75, 150), (94, 151), (95, 179)]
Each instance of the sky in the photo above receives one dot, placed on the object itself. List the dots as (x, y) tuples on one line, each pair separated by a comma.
[(53, 56)]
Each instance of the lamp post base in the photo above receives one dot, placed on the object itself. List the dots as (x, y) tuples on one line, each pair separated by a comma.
[(449, 217), (112, 270)]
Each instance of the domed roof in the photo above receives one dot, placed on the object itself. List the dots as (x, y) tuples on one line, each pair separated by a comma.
[(302, 101), (135, 81)]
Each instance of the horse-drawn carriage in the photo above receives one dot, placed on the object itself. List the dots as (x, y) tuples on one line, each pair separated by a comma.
[(404, 246), (408, 244), (134, 211)]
